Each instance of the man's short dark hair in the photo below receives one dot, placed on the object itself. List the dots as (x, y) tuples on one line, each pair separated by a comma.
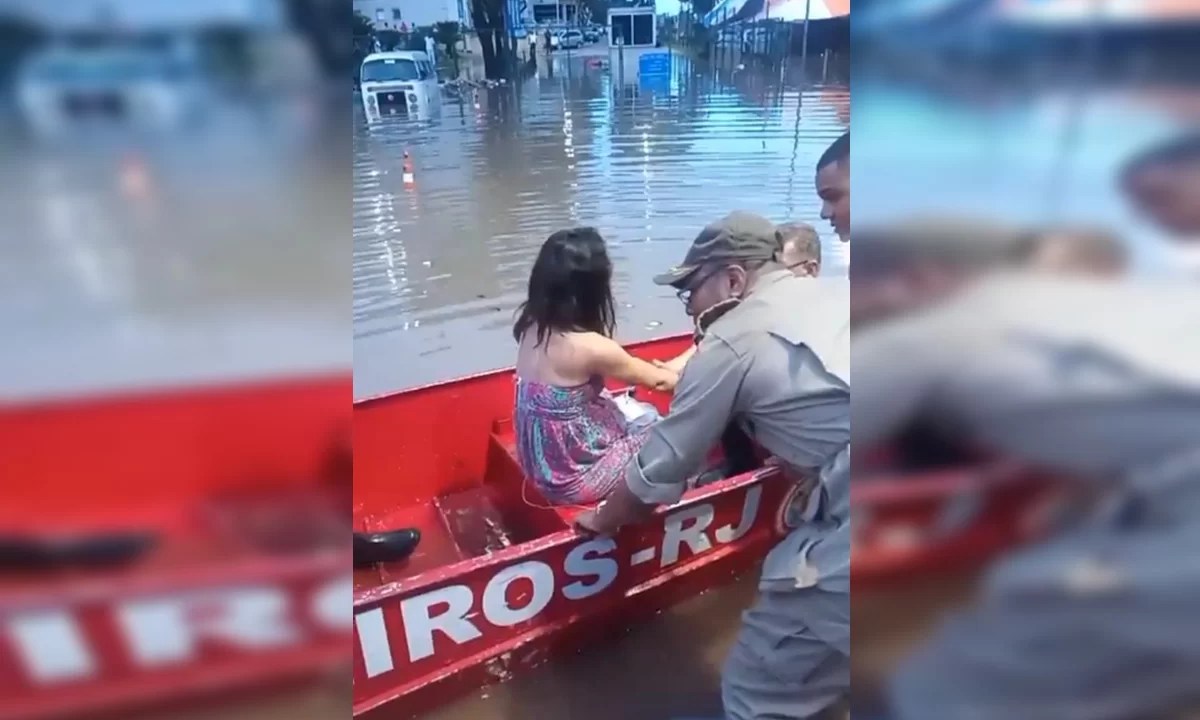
[(1176, 152), (837, 152)]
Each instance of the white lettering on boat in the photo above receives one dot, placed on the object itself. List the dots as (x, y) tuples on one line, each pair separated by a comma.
[(52, 647), (169, 630), (729, 533), (454, 603), (495, 596), (420, 622), (686, 527), (519, 593), (579, 564), (373, 639)]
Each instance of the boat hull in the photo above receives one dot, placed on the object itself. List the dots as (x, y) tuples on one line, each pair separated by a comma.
[(425, 640), (245, 578), (502, 582)]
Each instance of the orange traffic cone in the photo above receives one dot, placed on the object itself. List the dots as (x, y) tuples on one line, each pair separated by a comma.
[(134, 177), (409, 178)]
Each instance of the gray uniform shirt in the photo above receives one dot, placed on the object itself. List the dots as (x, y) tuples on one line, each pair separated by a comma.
[(778, 364), (1090, 377), (1098, 379)]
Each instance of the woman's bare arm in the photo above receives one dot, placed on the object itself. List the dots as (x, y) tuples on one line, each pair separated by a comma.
[(677, 363), (607, 357)]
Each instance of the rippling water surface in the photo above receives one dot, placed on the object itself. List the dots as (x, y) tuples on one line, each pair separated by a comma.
[(440, 265)]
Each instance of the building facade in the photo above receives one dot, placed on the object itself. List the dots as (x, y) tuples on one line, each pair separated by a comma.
[(147, 15), (407, 14), (553, 12)]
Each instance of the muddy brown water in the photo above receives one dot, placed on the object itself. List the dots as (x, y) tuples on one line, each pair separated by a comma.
[(667, 668), (441, 263)]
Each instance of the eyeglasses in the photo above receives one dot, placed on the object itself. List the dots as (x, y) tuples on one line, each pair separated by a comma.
[(685, 294)]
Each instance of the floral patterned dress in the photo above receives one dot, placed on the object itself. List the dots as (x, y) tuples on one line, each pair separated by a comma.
[(573, 442)]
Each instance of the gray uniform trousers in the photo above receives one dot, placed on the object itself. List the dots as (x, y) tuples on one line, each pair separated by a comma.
[(792, 656), (1098, 624)]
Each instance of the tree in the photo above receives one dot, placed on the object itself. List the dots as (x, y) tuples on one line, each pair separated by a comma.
[(447, 34), (325, 25), (488, 18), (17, 40), (362, 28), (598, 10), (389, 39), (362, 34)]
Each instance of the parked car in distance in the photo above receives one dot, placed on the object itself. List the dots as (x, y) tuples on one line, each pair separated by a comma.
[(571, 40)]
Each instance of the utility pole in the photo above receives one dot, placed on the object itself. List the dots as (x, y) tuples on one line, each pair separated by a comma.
[(804, 41)]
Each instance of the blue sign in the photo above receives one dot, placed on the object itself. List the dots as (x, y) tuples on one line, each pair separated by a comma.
[(516, 15), (654, 65), (654, 72)]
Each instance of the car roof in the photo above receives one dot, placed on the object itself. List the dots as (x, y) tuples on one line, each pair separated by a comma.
[(397, 55)]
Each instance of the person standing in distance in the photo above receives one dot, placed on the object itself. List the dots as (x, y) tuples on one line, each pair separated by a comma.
[(800, 249), (833, 186)]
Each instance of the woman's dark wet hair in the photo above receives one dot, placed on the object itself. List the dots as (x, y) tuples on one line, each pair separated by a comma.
[(570, 287)]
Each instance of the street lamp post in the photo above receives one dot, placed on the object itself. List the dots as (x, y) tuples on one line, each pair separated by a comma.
[(804, 41)]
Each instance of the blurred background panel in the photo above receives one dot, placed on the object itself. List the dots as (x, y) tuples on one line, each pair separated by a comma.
[(175, 388), (1002, 146)]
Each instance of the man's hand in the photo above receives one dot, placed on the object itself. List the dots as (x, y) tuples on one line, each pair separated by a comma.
[(620, 508), (587, 523)]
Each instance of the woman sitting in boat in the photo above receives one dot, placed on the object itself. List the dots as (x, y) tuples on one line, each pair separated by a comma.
[(573, 440)]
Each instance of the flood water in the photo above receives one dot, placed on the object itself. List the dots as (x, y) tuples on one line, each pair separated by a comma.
[(207, 253), (440, 266)]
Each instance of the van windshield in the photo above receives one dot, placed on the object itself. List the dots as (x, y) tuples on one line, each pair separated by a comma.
[(394, 69), (98, 67)]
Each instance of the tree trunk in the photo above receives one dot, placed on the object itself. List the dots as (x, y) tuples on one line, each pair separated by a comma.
[(486, 16)]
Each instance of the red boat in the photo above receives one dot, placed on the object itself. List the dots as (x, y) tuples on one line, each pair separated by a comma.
[(502, 582), (221, 593), (912, 526)]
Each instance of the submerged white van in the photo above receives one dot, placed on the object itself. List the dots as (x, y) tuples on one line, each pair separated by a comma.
[(398, 83)]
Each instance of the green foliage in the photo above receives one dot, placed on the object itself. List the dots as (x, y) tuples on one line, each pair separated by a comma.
[(389, 40), (447, 34), (362, 27), (17, 40), (228, 48), (598, 10)]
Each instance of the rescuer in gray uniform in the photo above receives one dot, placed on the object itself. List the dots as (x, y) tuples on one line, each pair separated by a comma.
[(775, 362), (1097, 379)]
